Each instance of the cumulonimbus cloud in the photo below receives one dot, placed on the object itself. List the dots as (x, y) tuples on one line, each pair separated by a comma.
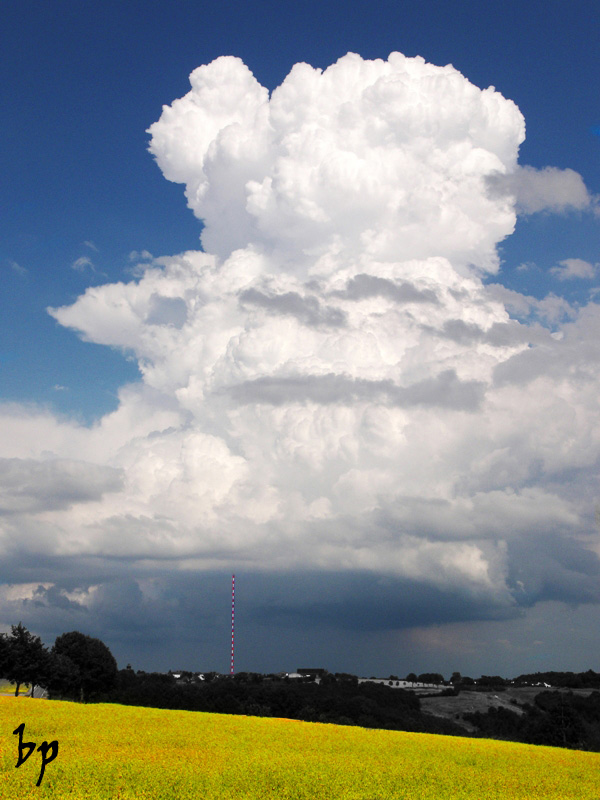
[(331, 384)]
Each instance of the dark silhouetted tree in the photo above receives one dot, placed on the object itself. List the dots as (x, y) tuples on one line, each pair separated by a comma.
[(64, 678), (491, 680), (431, 677), (96, 668), (26, 658)]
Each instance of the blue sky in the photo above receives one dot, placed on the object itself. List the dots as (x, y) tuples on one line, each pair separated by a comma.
[(85, 205), (81, 82)]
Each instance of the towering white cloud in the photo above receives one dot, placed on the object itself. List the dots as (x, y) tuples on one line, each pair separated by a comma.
[(381, 159), (331, 384)]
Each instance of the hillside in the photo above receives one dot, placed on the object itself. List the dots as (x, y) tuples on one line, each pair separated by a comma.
[(110, 751), (527, 714), (454, 707), (561, 718)]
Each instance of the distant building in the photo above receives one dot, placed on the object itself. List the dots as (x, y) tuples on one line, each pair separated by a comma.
[(414, 686)]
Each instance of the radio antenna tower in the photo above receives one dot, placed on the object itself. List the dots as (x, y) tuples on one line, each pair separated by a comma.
[(232, 620)]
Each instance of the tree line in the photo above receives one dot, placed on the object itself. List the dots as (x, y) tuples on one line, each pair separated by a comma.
[(336, 698), (77, 667)]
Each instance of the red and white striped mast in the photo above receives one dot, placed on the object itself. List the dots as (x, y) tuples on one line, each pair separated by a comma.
[(232, 620)]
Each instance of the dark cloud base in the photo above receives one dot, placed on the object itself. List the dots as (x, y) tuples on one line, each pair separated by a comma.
[(166, 613), (163, 620)]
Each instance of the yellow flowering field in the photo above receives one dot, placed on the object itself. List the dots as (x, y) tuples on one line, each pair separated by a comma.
[(112, 751)]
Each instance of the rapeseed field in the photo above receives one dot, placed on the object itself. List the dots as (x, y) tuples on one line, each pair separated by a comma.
[(121, 752)]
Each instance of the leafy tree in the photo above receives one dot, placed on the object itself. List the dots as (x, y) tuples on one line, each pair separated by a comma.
[(494, 681), (431, 677), (327, 678), (562, 725), (95, 667), (26, 658), (64, 678)]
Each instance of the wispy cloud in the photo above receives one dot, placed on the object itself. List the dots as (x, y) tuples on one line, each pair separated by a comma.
[(83, 264), (575, 268), (17, 268), (140, 255)]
